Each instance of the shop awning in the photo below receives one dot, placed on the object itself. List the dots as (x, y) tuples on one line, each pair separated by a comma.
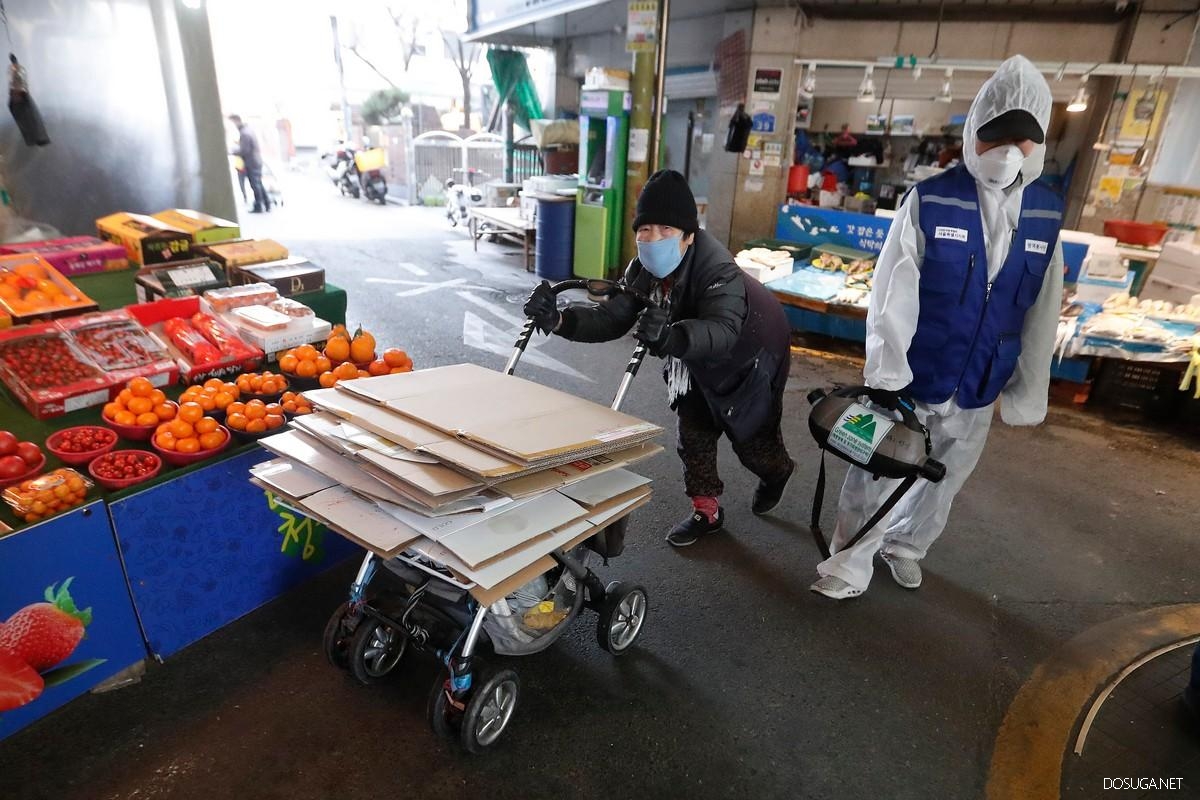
[(489, 17)]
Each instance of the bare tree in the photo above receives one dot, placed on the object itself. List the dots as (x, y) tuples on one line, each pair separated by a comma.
[(465, 56), (407, 24)]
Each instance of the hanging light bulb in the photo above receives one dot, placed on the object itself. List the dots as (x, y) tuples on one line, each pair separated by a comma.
[(810, 80), (1080, 101), (866, 89), (946, 94)]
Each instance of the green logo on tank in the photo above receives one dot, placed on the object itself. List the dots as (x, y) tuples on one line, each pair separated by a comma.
[(862, 426)]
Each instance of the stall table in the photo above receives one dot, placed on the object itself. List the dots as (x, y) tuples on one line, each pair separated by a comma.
[(504, 222)]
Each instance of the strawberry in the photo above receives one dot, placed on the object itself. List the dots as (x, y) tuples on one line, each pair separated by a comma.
[(19, 684), (45, 634)]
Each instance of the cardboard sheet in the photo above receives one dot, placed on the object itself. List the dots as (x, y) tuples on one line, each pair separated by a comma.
[(438, 528), (602, 488), (574, 471), (512, 528), (431, 479), (507, 415), (306, 450), (345, 511), (289, 478)]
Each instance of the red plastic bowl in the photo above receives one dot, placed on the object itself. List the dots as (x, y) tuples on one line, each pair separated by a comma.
[(1146, 234), (113, 484), (137, 433), (79, 459), (176, 459), (33, 471)]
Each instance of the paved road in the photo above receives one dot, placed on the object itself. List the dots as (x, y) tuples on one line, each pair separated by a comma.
[(745, 684)]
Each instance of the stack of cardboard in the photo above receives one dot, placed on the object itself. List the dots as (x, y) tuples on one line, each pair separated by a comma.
[(482, 474)]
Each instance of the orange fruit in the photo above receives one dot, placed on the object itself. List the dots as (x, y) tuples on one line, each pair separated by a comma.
[(140, 387), (205, 425), (346, 371), (288, 363), (189, 445), (289, 406), (237, 421), (398, 370), (256, 382), (147, 419), (191, 412), (243, 383), (362, 347), (222, 400), (164, 411), (274, 408), (273, 421), (305, 352), (378, 367), (211, 391), (165, 440), (206, 402), (236, 407), (124, 396), (139, 405), (214, 383), (212, 439), (256, 426), (304, 410), (158, 396), (362, 373), (111, 409), (394, 357), (255, 409), (181, 429), (125, 418), (323, 364), (307, 369), (337, 349), (327, 380), (233, 390)]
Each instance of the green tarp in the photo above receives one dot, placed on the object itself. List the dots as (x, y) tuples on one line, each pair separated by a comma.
[(510, 73)]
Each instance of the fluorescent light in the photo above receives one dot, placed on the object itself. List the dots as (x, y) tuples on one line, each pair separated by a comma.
[(1080, 101), (810, 80), (947, 94), (866, 89)]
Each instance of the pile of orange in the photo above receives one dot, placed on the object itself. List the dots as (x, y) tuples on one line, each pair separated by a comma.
[(294, 403), (214, 395), (255, 416), (354, 357), (266, 383), (139, 403), (190, 432), (305, 361), (346, 371)]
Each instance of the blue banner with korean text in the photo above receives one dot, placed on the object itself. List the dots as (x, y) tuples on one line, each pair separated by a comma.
[(812, 225)]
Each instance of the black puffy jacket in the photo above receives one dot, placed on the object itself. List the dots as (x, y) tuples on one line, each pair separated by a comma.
[(736, 331)]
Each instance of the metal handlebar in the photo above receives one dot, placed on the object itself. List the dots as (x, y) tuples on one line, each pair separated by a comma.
[(600, 288)]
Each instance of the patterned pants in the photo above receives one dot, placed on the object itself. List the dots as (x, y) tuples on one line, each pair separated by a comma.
[(764, 453)]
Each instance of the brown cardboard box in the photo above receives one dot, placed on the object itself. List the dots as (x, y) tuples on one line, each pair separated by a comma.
[(291, 276), (146, 240), (231, 255), (184, 279), (204, 228)]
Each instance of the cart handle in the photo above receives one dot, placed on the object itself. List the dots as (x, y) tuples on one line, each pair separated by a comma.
[(600, 288)]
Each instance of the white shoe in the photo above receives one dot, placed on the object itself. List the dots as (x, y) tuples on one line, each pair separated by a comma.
[(905, 571), (835, 588)]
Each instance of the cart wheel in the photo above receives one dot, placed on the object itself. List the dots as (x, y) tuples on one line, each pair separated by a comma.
[(442, 717), (375, 651), (489, 711), (338, 632), (621, 617)]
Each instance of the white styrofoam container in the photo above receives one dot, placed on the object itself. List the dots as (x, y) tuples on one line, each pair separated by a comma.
[(1097, 290), (1160, 288), (763, 274), (1179, 262)]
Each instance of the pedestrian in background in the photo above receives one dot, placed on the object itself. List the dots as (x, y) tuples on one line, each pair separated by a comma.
[(248, 150)]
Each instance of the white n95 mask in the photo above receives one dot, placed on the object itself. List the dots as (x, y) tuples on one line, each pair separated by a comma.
[(1000, 166)]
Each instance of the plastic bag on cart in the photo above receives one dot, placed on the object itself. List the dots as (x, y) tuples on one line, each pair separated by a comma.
[(532, 617)]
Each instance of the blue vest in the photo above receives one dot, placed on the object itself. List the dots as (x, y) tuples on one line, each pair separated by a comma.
[(969, 330)]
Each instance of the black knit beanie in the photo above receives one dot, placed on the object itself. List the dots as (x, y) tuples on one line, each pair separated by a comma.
[(667, 199)]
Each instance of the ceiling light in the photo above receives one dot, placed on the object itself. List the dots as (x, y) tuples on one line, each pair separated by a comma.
[(1080, 101), (810, 80), (866, 89), (946, 94), (916, 73)]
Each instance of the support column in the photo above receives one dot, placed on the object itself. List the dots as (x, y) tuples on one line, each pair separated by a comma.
[(640, 120)]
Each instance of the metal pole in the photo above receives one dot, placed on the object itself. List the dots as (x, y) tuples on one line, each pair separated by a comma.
[(687, 147), (660, 78), (347, 117)]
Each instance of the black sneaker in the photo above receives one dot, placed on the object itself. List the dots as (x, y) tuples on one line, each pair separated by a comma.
[(768, 495), (695, 526)]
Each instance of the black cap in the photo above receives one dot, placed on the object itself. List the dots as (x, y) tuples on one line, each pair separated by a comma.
[(667, 199), (1016, 124)]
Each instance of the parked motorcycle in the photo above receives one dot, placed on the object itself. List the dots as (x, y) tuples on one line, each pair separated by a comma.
[(341, 169), (357, 173), (460, 197)]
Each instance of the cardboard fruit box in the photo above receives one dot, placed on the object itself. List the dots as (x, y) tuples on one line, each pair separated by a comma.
[(291, 276), (31, 290), (154, 316), (48, 374), (184, 279), (120, 346), (74, 255), (232, 255), (146, 240), (204, 228)]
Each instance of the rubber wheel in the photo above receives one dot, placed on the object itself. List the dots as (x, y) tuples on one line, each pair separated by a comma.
[(375, 651), (441, 716), (338, 632), (621, 617), (489, 711)]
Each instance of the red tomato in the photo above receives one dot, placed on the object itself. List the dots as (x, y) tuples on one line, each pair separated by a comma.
[(29, 453), (8, 443), (11, 467)]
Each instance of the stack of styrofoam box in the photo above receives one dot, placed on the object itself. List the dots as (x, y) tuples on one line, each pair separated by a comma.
[(1176, 276), (765, 265)]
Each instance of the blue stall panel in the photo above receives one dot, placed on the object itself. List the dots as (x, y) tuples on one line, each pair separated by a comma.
[(75, 550), (209, 547)]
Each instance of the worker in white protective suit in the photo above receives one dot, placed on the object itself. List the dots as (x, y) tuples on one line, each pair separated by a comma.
[(963, 314)]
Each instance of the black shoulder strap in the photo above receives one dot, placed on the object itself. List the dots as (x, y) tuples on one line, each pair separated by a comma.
[(876, 518)]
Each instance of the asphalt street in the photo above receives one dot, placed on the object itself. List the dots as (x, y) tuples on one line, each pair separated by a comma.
[(744, 683)]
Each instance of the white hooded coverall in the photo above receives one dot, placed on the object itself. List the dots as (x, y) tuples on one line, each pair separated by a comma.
[(957, 434)]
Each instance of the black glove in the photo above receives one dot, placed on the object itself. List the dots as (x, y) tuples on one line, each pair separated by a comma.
[(542, 308), (893, 400), (656, 332)]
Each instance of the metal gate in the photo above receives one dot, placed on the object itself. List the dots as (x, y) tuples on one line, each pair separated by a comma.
[(436, 156)]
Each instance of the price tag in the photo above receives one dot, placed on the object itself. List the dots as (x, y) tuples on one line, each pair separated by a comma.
[(191, 276)]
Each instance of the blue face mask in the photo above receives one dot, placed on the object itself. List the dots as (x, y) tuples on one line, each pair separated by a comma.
[(661, 257)]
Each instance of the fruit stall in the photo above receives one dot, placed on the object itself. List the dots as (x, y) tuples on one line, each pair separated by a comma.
[(134, 399)]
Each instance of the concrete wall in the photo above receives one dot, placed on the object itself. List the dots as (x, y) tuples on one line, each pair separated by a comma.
[(128, 93)]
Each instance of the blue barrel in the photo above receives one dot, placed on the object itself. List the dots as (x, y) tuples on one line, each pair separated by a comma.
[(555, 243)]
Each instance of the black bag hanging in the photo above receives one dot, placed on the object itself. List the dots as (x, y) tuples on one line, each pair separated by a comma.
[(24, 110), (740, 125)]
